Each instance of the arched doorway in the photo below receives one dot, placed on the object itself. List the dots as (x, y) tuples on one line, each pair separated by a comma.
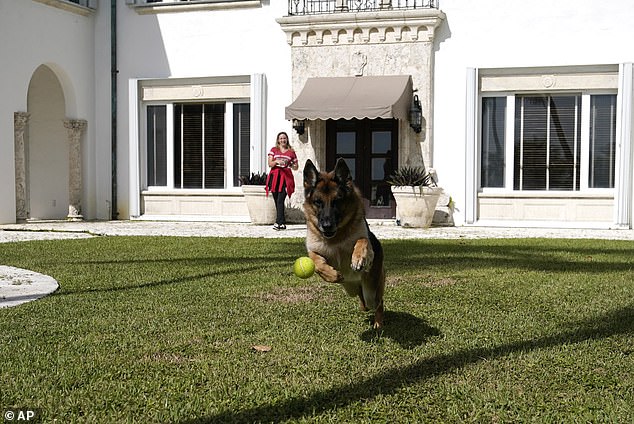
[(46, 151)]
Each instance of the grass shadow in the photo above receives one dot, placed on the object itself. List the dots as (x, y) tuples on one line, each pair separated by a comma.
[(404, 328), (620, 321), (525, 254)]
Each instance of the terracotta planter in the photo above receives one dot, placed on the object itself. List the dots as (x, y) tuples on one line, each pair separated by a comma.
[(415, 206), (261, 208)]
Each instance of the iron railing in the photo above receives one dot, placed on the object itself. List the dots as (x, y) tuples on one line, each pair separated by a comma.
[(316, 7)]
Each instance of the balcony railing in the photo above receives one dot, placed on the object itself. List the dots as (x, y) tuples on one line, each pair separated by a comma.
[(316, 7)]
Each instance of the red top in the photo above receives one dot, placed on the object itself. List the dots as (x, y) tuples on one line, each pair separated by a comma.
[(281, 175)]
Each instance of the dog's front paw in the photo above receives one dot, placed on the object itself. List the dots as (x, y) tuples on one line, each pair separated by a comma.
[(361, 263), (325, 271), (362, 255), (330, 275)]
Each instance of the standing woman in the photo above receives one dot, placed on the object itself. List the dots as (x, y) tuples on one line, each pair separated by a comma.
[(280, 181)]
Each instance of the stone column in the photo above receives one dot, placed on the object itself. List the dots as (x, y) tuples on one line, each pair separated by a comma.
[(75, 129), (20, 120)]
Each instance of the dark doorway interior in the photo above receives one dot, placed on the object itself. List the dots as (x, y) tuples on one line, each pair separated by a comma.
[(370, 148)]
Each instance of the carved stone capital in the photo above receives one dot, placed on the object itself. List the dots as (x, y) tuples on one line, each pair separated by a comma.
[(20, 119), (75, 124)]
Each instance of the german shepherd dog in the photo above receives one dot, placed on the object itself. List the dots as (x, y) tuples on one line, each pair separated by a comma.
[(339, 239)]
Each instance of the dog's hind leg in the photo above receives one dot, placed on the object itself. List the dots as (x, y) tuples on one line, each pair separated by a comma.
[(378, 317), (372, 294), (362, 306)]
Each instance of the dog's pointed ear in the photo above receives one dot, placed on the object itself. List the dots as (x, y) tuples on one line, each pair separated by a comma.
[(311, 174), (342, 173)]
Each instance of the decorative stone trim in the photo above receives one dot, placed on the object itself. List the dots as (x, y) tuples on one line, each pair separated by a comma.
[(392, 26), (75, 129), (20, 121)]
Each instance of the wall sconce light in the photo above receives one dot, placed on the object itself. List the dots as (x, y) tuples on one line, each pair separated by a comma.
[(299, 125), (416, 115)]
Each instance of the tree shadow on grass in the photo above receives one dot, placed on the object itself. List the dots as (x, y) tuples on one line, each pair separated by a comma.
[(406, 329), (620, 321)]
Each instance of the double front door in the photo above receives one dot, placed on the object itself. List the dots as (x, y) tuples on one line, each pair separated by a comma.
[(370, 149)]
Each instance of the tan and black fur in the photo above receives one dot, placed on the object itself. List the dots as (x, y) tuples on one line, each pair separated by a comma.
[(338, 238)]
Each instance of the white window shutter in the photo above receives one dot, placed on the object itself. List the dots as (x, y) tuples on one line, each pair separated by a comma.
[(623, 177), (471, 147), (258, 123)]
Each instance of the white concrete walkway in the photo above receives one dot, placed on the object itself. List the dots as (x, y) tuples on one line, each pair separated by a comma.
[(383, 230), (18, 286)]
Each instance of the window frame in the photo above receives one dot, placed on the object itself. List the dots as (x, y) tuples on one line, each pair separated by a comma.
[(230, 89), (509, 132), (615, 76), (170, 154)]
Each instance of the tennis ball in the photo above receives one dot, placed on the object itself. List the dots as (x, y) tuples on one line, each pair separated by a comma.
[(304, 267)]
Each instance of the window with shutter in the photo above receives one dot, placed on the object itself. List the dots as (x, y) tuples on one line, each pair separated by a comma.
[(563, 142), (602, 141), (191, 140), (547, 142), (156, 146), (547, 135), (199, 145), (195, 151), (214, 145), (241, 141), (493, 141)]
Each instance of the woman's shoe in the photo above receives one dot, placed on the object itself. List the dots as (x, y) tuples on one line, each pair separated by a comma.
[(282, 227), (276, 227)]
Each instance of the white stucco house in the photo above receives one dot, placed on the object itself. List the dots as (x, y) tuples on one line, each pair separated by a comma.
[(141, 109)]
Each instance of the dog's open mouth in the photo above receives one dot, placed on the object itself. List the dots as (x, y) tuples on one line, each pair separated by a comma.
[(328, 233)]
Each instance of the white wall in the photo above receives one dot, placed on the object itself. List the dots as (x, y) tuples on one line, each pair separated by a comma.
[(491, 34), (34, 34), (481, 34), (98, 182), (240, 41)]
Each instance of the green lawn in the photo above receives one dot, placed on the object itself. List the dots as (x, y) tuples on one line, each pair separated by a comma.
[(163, 329)]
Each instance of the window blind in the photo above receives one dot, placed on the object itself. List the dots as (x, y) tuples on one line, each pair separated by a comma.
[(564, 136), (214, 145), (493, 140), (547, 134), (156, 146), (192, 154), (241, 141), (602, 141), (199, 145)]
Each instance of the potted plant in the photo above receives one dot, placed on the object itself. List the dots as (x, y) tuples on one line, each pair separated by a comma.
[(416, 195), (261, 207)]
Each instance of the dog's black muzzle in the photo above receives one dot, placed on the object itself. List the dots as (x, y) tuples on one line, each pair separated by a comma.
[(327, 226)]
